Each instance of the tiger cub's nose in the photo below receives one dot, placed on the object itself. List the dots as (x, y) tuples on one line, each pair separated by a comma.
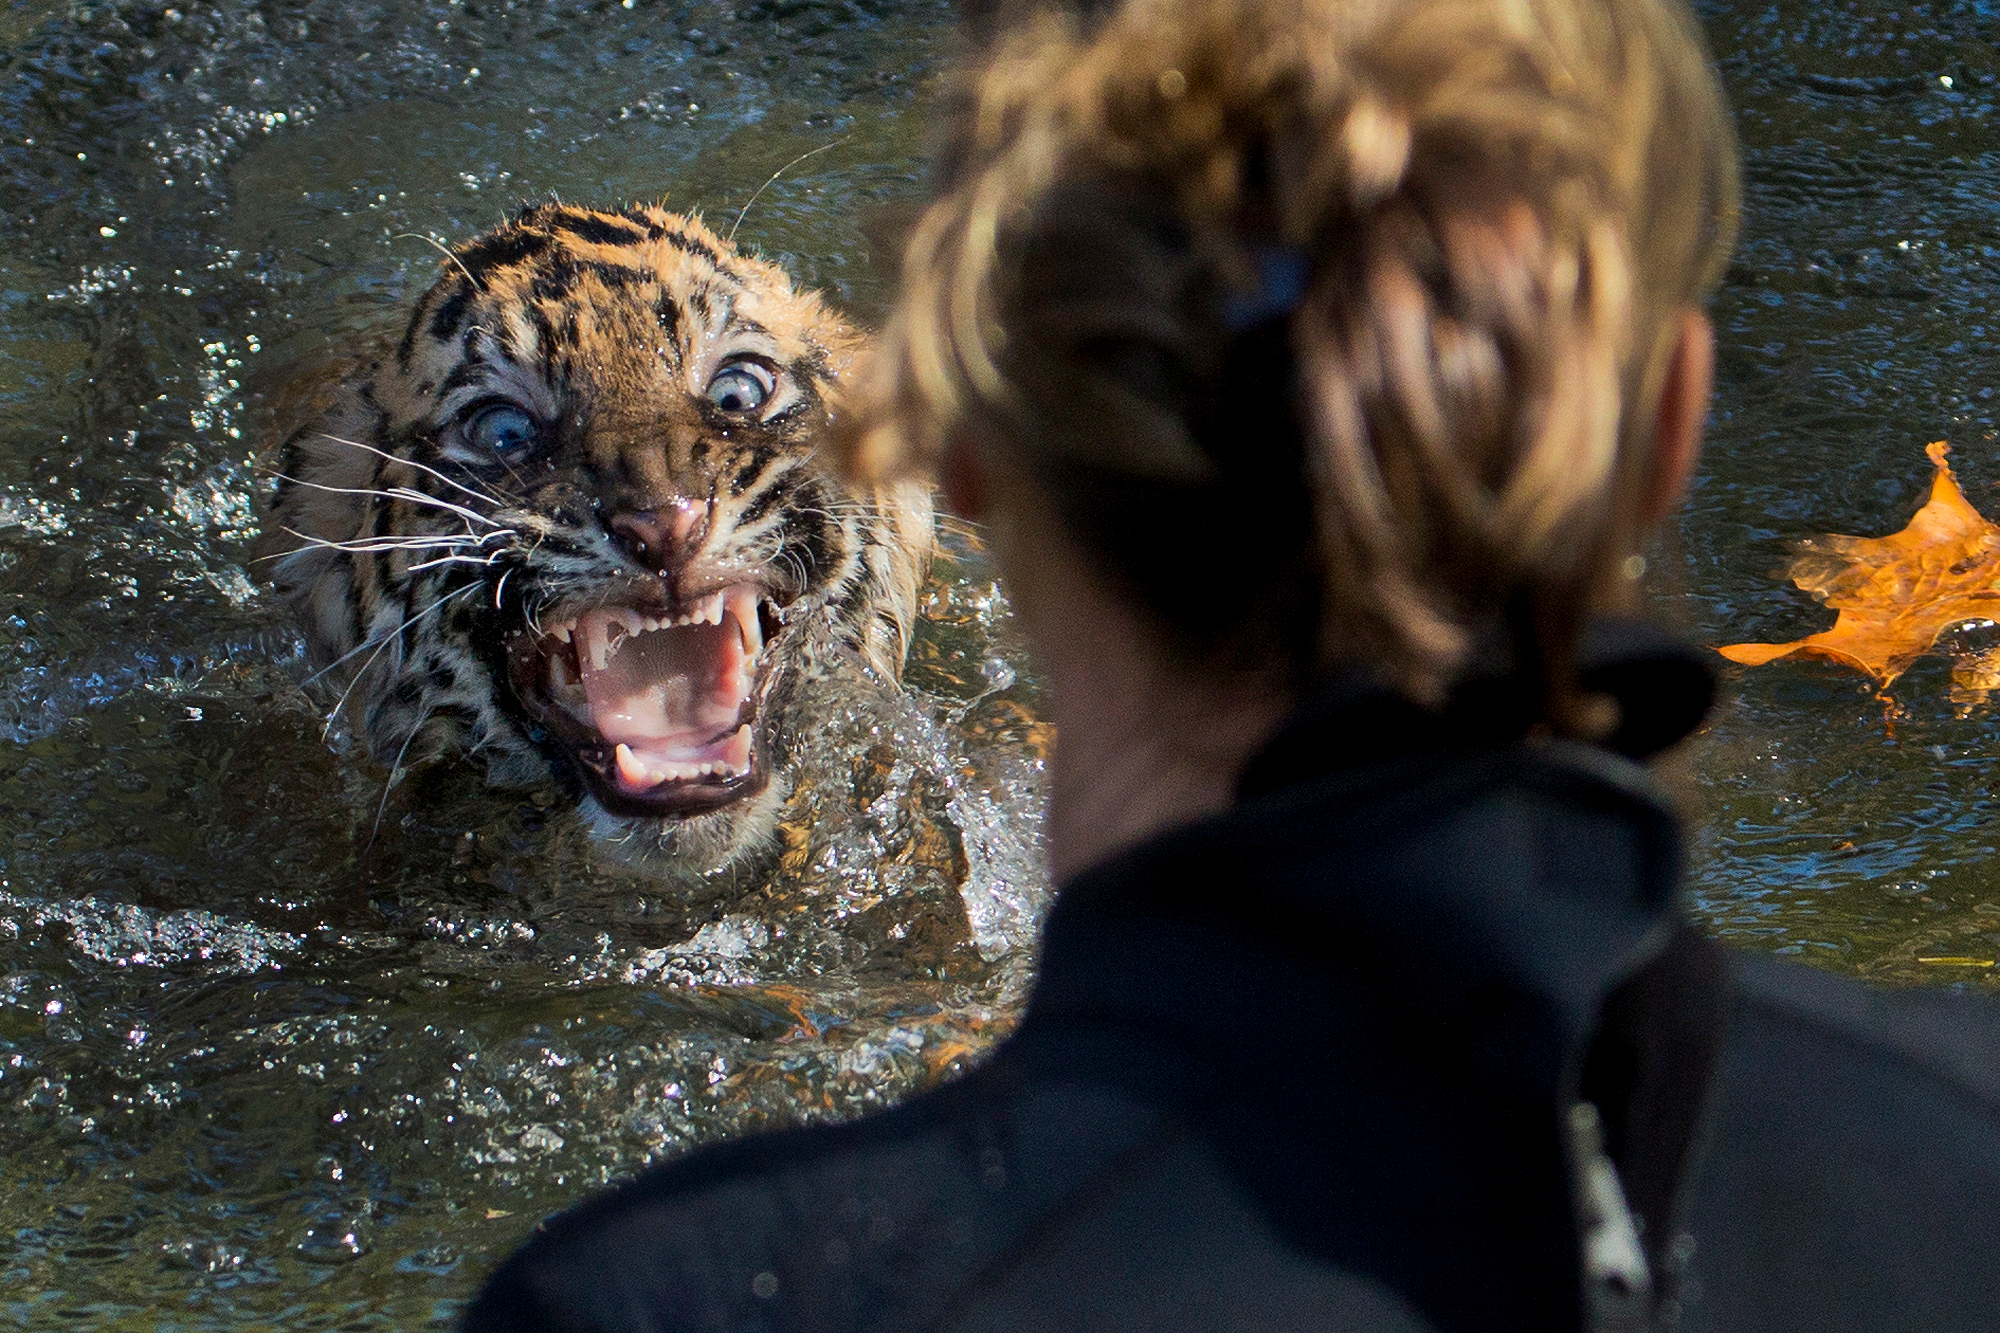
[(662, 540)]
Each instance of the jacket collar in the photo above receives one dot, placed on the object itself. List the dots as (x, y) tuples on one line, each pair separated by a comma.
[(1661, 686), (1393, 955)]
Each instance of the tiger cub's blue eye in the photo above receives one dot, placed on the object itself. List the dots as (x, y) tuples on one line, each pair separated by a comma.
[(502, 430), (741, 386)]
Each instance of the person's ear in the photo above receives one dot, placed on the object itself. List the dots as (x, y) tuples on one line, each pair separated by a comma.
[(962, 481), (1683, 413)]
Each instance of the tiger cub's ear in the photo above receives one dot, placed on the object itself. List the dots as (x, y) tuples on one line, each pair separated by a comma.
[(300, 410), (312, 421)]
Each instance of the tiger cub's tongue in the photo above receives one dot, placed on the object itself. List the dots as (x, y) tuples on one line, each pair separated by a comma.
[(672, 695)]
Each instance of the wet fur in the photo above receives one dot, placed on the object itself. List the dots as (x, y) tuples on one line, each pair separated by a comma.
[(406, 570)]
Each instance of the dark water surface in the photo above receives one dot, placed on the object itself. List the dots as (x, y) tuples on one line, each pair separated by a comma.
[(1854, 329), (263, 1064)]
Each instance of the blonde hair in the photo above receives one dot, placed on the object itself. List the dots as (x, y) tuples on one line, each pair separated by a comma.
[(1362, 308)]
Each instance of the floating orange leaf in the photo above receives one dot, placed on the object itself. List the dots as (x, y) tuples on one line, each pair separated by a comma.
[(1897, 594)]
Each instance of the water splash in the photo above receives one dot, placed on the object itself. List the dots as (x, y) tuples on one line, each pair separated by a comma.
[(124, 935)]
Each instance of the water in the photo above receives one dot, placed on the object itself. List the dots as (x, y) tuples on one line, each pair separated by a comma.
[(1853, 329), (264, 1063), (264, 1058)]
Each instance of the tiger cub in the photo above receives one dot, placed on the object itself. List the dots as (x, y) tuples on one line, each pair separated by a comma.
[(579, 519)]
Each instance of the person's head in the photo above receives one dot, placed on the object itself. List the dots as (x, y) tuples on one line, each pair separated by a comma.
[(1331, 331)]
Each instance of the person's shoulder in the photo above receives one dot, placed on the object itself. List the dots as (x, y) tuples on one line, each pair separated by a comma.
[(822, 1227), (1854, 1149), (720, 1236), (1932, 1042), (995, 1203)]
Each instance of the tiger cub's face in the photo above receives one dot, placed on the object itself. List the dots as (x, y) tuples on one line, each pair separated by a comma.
[(578, 518)]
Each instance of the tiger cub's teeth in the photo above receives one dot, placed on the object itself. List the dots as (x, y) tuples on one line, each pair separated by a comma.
[(641, 773), (708, 611), (629, 766)]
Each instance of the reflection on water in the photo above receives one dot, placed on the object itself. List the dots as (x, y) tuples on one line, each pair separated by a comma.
[(264, 1057)]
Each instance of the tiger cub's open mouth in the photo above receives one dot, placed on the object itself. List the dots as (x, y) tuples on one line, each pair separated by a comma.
[(657, 707)]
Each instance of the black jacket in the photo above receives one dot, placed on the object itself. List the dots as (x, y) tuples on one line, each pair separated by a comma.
[(1331, 1061)]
